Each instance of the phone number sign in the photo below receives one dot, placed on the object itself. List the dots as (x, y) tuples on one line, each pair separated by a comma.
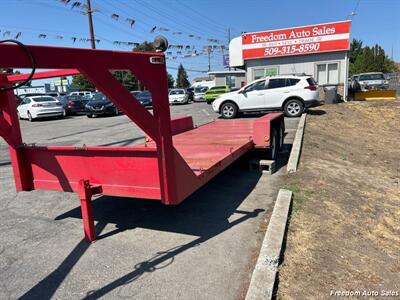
[(297, 41)]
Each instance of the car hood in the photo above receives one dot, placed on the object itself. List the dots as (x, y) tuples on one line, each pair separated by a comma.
[(99, 102), (230, 94), (143, 98)]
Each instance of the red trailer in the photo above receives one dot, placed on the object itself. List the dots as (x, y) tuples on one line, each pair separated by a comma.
[(176, 159)]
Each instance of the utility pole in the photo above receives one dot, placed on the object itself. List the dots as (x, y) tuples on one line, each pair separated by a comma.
[(89, 14), (229, 40), (209, 60)]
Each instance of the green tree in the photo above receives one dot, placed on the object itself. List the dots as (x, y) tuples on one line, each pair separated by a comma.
[(355, 49), (369, 59), (126, 79), (144, 47), (182, 78), (171, 81), (80, 83)]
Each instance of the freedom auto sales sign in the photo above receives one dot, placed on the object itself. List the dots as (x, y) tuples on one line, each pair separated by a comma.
[(297, 41)]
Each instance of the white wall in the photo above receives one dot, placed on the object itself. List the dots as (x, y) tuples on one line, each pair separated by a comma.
[(299, 64)]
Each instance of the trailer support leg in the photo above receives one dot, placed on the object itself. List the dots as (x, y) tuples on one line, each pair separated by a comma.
[(86, 191)]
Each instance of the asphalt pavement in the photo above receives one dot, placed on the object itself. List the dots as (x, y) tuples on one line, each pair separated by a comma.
[(202, 249)]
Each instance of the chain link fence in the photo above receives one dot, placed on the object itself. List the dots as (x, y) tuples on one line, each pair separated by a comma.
[(394, 81)]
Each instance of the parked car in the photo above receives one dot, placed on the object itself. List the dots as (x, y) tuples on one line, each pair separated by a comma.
[(178, 96), (144, 98), (291, 94), (81, 93), (100, 105), (56, 95), (135, 93), (369, 81), (18, 100), (199, 93), (75, 104), (31, 94), (215, 91), (34, 107), (190, 92)]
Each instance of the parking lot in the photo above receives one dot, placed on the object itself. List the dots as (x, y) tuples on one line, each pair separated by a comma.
[(201, 249)]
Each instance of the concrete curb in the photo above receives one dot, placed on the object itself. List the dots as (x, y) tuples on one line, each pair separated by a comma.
[(263, 278), (296, 148)]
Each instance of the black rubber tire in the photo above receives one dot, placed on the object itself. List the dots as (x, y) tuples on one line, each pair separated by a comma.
[(29, 117), (89, 116), (274, 145), (293, 108), (229, 110), (281, 135)]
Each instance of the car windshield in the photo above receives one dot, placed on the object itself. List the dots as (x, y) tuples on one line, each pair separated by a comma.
[(202, 89), (218, 87), (100, 97), (177, 92), (43, 99), (372, 77), (74, 98), (144, 94)]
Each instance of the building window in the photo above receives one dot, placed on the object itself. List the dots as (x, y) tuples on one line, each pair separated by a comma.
[(230, 81), (328, 73), (265, 72)]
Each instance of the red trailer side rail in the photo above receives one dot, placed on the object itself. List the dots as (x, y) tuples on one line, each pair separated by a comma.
[(176, 160)]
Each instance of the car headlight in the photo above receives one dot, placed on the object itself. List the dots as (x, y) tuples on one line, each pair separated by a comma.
[(88, 106)]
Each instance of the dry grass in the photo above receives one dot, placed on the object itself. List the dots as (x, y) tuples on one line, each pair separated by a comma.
[(344, 232)]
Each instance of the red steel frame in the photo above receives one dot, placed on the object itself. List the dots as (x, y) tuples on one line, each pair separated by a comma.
[(155, 170)]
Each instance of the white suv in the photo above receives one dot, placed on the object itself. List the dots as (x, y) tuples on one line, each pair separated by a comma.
[(288, 93)]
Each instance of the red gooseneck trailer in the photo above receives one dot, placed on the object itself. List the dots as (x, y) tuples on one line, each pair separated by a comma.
[(176, 159)]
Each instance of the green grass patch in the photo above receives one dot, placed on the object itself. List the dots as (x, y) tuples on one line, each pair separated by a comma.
[(300, 195)]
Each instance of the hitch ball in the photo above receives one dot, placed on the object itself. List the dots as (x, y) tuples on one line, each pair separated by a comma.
[(160, 43)]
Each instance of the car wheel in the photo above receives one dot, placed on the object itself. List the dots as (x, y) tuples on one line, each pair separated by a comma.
[(229, 110), (274, 144), (293, 108), (29, 116), (89, 116)]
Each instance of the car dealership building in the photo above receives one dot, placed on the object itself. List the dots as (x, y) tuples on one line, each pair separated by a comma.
[(318, 50)]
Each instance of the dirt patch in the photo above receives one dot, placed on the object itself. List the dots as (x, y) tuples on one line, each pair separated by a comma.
[(344, 231)]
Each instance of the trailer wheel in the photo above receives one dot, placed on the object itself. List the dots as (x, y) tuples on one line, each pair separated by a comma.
[(274, 145), (229, 110)]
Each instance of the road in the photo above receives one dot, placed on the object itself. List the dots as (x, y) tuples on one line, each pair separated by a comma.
[(201, 249)]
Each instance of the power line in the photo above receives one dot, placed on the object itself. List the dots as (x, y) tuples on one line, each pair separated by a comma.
[(203, 17)]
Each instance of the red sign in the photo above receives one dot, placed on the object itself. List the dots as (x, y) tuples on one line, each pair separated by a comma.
[(297, 41)]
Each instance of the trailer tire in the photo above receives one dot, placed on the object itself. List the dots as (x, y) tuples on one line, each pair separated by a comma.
[(281, 131), (229, 110), (274, 145)]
